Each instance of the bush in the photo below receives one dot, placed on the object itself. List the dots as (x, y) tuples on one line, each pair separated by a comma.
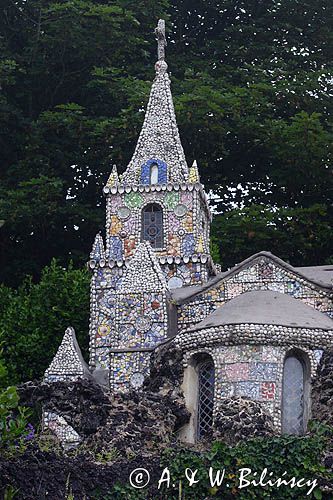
[(283, 456), (14, 428), (33, 319)]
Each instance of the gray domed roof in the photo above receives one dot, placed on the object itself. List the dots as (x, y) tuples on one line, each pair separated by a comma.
[(266, 308)]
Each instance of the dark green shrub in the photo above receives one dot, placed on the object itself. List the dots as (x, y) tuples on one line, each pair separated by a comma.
[(33, 319), (284, 457), (14, 428)]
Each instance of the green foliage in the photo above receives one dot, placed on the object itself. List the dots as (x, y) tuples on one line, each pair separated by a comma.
[(13, 418), (47, 442), (214, 249), (300, 457), (251, 86), (121, 491), (69, 492), (34, 320), (108, 456), (10, 493), (13, 422), (295, 235)]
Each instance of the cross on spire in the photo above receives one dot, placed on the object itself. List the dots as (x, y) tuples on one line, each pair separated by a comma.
[(161, 39)]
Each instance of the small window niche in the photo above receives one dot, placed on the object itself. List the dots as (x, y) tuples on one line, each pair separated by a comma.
[(153, 172)]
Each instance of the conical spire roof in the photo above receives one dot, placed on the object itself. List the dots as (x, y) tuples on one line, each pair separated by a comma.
[(113, 180), (194, 173), (98, 252), (159, 139)]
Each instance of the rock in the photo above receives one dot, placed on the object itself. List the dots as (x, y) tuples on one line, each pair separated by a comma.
[(83, 403), (322, 389), (42, 475), (239, 419), (130, 423)]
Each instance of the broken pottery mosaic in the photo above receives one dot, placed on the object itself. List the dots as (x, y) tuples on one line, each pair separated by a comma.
[(154, 283)]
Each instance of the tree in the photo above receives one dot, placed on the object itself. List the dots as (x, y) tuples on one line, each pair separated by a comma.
[(295, 235), (14, 427), (251, 83)]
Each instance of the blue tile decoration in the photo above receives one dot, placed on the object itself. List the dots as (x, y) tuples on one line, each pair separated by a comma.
[(263, 371), (162, 171), (248, 390), (116, 248), (188, 245)]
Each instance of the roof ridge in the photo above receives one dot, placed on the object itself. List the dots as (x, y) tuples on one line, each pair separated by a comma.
[(225, 274)]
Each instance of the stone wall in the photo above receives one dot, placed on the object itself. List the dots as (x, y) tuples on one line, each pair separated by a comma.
[(134, 422), (252, 371), (261, 274), (183, 232)]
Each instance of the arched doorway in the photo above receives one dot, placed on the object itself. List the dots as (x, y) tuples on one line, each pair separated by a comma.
[(198, 386)]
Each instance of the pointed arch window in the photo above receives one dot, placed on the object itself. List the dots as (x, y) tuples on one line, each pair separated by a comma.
[(206, 382), (152, 225), (295, 394)]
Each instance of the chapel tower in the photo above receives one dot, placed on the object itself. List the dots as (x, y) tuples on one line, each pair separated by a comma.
[(157, 239)]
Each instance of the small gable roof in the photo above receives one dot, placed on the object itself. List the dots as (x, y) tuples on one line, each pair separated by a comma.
[(144, 274), (265, 307), (68, 359), (320, 276)]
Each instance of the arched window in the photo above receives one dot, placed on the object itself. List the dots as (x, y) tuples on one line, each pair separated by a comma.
[(152, 225), (154, 173), (206, 378), (295, 394)]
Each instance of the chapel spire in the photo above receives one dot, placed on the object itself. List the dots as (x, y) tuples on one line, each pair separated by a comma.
[(159, 142)]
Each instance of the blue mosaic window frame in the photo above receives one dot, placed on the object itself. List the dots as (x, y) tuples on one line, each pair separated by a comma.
[(146, 172)]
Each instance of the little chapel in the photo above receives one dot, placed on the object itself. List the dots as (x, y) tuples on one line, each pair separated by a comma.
[(256, 331)]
